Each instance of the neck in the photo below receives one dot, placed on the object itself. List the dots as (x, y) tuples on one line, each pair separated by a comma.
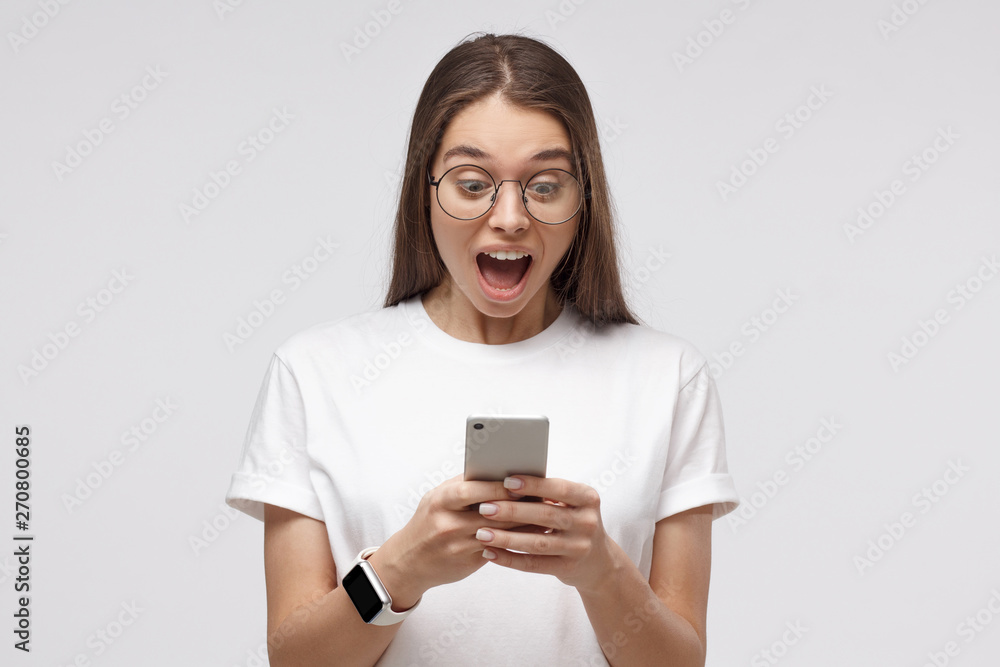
[(458, 317)]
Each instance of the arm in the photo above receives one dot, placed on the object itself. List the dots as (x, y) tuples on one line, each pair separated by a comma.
[(311, 620), (638, 622)]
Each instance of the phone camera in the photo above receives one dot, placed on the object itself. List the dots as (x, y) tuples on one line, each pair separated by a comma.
[(477, 426)]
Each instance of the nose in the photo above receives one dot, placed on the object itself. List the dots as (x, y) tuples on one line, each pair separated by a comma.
[(508, 212)]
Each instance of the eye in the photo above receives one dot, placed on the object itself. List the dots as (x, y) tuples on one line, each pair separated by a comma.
[(472, 186), (544, 189), (468, 182)]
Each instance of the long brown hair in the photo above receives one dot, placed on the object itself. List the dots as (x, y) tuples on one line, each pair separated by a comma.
[(529, 74)]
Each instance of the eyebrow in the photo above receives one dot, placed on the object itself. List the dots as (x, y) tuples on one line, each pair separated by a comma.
[(464, 150)]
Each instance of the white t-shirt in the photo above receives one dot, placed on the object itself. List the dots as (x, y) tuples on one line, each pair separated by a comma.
[(358, 418)]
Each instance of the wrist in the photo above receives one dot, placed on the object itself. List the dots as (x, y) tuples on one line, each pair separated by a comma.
[(396, 579), (609, 584)]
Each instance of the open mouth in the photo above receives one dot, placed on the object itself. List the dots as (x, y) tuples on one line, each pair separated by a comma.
[(503, 273)]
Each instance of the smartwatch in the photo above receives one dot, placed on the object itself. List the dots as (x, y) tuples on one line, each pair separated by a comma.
[(369, 595)]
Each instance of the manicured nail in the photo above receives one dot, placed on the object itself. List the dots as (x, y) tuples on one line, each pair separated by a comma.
[(484, 535), (487, 509), (489, 554), (512, 483)]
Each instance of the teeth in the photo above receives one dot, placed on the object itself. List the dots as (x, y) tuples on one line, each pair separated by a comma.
[(507, 254)]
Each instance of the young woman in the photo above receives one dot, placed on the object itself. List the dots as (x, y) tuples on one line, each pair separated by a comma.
[(505, 298)]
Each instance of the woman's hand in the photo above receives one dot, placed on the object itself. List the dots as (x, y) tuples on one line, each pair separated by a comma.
[(438, 544), (568, 540)]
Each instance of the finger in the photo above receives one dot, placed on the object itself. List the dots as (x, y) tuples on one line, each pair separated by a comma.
[(555, 489), (477, 520), (463, 495), (539, 544), (521, 528), (523, 562), (539, 514)]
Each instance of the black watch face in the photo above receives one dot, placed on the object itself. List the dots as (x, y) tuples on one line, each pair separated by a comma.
[(362, 594)]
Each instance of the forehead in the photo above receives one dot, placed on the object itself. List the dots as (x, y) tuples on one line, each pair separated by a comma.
[(503, 134)]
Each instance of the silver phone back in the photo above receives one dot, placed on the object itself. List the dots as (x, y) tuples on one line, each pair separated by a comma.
[(505, 445)]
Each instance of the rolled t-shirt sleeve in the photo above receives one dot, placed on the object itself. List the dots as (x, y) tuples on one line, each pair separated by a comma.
[(274, 467), (696, 471)]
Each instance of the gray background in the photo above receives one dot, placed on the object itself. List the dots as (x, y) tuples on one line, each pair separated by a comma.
[(671, 134)]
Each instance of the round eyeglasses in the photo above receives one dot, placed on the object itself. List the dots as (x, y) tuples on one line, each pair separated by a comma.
[(467, 192)]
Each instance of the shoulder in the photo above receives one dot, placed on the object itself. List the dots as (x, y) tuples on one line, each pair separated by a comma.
[(650, 347), (350, 334)]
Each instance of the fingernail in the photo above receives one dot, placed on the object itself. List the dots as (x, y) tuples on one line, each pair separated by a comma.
[(489, 554), (512, 483), (484, 535), (487, 509)]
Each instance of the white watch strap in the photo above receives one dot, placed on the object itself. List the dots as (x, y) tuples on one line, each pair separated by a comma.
[(363, 556), (387, 616)]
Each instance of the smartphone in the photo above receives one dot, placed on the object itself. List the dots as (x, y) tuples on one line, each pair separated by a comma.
[(500, 445)]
